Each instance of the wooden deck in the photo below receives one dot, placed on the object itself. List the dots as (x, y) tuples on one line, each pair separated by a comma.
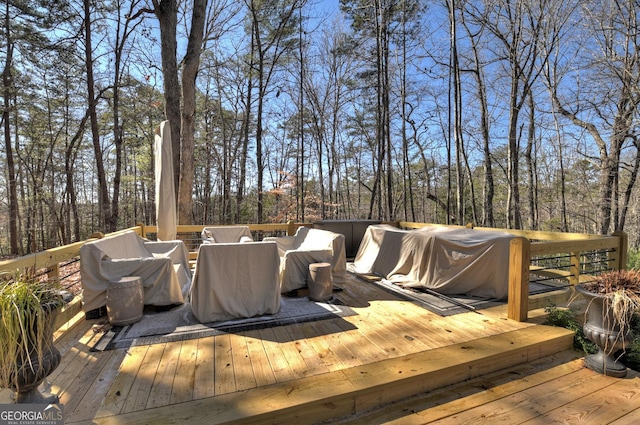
[(552, 390), (340, 370)]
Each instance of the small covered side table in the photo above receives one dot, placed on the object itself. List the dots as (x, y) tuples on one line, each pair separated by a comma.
[(320, 281), (125, 300)]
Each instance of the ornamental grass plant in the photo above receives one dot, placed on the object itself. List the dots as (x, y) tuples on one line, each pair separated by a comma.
[(24, 304)]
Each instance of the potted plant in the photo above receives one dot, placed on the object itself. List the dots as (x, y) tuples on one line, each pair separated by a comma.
[(612, 300), (28, 309)]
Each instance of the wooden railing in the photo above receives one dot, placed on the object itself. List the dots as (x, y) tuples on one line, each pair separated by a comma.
[(584, 256), (48, 261), (552, 255)]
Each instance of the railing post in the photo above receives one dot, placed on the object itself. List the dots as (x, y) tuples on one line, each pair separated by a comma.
[(519, 260), (142, 232), (620, 260), (574, 268), (291, 228), (53, 272)]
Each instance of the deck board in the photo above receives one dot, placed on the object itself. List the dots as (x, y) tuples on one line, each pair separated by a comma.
[(313, 355), (357, 342), (312, 342), (242, 369), (99, 386), (260, 364), (447, 402), (301, 357), (204, 383), (334, 337), (529, 404), (162, 386), (223, 372), (277, 355), (76, 371), (122, 384), (608, 399), (185, 376), (141, 388)]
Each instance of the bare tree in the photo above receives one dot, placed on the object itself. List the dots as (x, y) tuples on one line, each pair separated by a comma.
[(607, 105), (477, 71), (125, 28), (24, 31), (456, 111), (103, 190), (273, 27), (7, 95), (519, 28)]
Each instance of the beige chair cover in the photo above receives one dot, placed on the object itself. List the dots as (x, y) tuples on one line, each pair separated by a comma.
[(448, 260), (235, 280), (226, 234), (383, 251), (162, 266), (308, 246)]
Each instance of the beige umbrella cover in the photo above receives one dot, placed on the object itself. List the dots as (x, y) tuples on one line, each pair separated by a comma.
[(166, 216)]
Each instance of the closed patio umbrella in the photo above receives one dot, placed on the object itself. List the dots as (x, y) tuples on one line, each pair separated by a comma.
[(166, 215)]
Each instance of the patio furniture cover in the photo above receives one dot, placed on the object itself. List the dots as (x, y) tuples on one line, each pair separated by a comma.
[(226, 234), (308, 246), (166, 214), (162, 266), (235, 280), (450, 261)]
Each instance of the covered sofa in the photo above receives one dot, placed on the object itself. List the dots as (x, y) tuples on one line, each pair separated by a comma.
[(162, 266), (448, 260), (308, 246)]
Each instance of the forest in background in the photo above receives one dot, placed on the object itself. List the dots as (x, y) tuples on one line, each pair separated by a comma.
[(511, 114)]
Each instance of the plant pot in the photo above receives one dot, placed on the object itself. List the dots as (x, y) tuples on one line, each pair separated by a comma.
[(604, 330), (32, 372)]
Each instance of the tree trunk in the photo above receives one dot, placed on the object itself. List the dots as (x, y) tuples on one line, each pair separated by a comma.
[(487, 181), (123, 32), (103, 192), (70, 156), (300, 197), (386, 122), (189, 75), (513, 175), (376, 192), (7, 85), (531, 169), (117, 136), (633, 177), (246, 122), (167, 13), (261, 93), (457, 114)]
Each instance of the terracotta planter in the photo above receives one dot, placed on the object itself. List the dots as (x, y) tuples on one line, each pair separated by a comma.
[(31, 374), (604, 330)]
